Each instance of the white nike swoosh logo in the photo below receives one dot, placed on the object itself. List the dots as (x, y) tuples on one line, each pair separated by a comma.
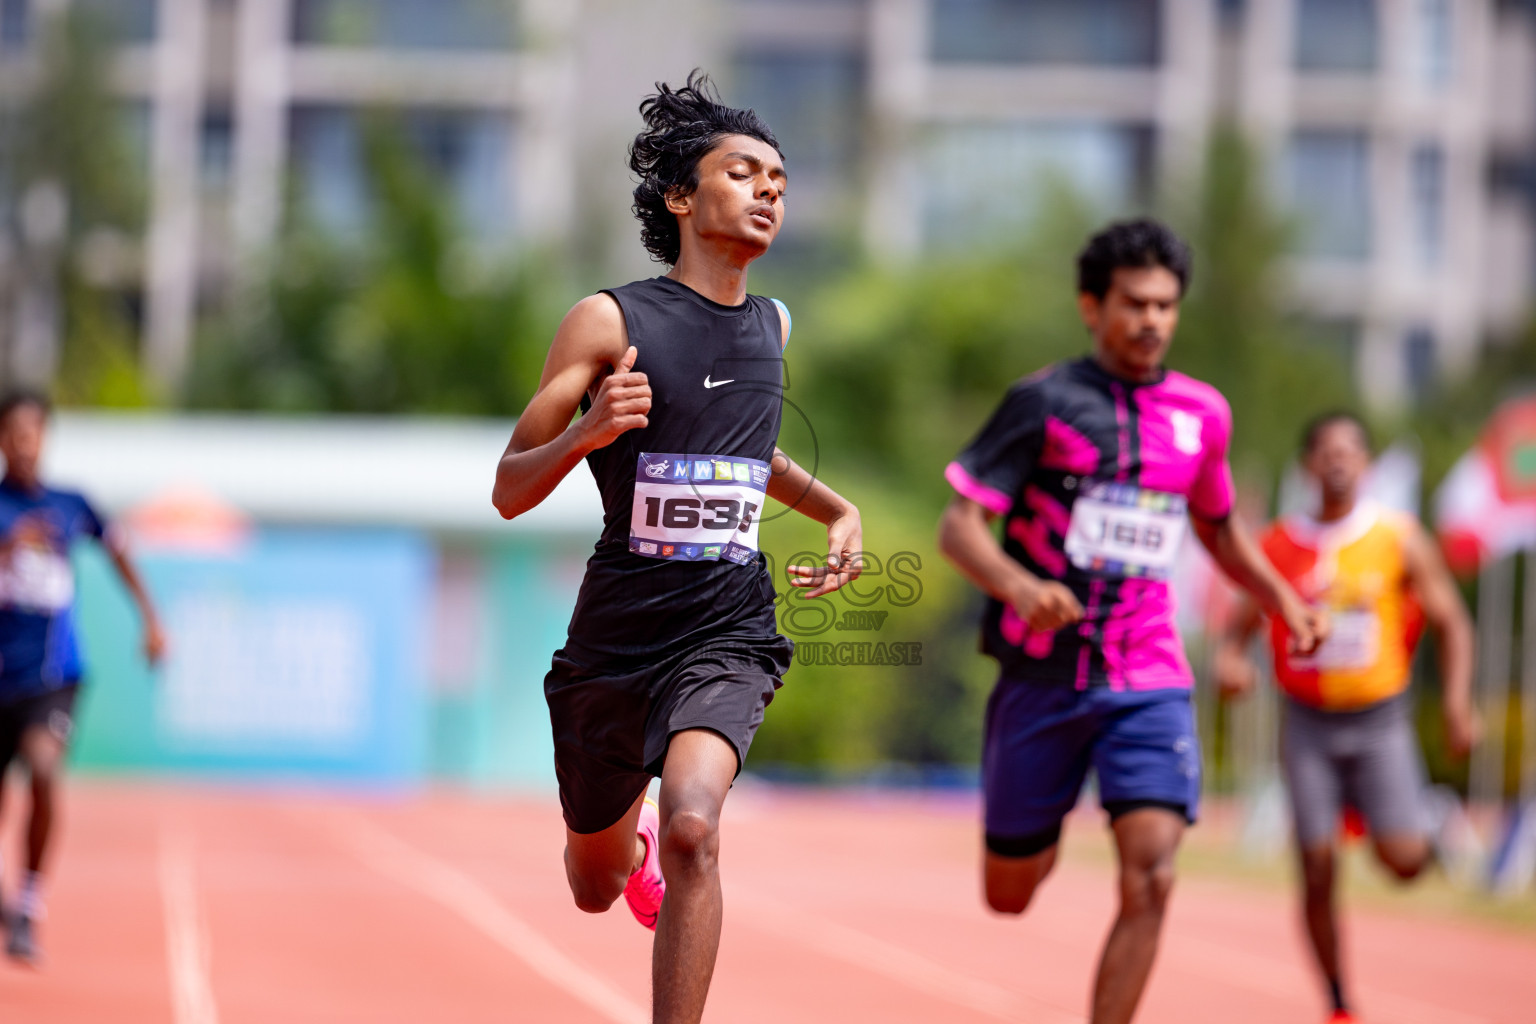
[(718, 382)]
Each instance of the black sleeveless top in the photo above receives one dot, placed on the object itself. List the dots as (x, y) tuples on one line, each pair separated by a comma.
[(716, 376)]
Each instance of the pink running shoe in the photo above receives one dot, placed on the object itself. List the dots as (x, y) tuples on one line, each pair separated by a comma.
[(646, 886)]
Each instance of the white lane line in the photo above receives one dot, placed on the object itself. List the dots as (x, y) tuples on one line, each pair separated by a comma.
[(186, 932), (896, 963), (478, 906)]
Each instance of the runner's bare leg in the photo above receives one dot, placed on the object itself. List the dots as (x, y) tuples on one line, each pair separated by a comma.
[(44, 755), (697, 774), (1147, 840), (598, 864)]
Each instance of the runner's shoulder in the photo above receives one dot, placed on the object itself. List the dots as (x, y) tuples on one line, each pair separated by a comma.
[(598, 310), (64, 498), (593, 330), (1039, 386), (1403, 525), (1198, 392)]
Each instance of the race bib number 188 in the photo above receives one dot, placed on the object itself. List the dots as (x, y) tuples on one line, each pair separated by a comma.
[(1125, 530), (698, 508)]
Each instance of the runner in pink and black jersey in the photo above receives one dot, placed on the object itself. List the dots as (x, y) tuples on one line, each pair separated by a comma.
[(1097, 466)]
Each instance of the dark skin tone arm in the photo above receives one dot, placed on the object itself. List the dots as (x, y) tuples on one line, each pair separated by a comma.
[(1436, 593), (1234, 672), (1239, 557), (154, 636), (591, 344), (965, 538), (792, 485)]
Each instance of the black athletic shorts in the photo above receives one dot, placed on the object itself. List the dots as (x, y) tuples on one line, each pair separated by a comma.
[(612, 725), (54, 709)]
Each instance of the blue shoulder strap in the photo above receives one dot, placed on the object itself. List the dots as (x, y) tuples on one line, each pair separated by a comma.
[(789, 322)]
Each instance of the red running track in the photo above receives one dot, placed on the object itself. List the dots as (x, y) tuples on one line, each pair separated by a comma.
[(191, 905)]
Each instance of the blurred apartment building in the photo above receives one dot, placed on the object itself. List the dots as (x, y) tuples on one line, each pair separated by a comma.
[(1402, 133)]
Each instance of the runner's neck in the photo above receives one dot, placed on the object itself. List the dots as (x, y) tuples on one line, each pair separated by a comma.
[(716, 278), (23, 485), (1119, 371), (1334, 511)]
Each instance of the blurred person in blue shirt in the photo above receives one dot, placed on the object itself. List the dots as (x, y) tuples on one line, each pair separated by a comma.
[(40, 662)]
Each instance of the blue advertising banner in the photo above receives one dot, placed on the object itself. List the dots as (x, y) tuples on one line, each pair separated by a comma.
[(300, 654)]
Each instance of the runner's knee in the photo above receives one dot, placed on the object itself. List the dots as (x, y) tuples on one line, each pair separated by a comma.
[(595, 885), (1015, 866), (1404, 858), (595, 898), (1011, 892), (1317, 872), (595, 890), (43, 770), (1146, 886), (690, 841)]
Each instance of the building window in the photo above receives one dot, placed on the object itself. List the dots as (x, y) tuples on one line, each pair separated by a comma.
[(1336, 35), (1427, 194), (987, 183), (1434, 60), (814, 104), (407, 24), (216, 145), (15, 24), (1420, 366), (468, 152), (1329, 187), (127, 21), (1105, 32)]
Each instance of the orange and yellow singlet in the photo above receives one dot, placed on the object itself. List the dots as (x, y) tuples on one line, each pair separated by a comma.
[(1355, 569)]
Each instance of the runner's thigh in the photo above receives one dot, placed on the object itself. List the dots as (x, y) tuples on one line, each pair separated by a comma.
[(1314, 778)]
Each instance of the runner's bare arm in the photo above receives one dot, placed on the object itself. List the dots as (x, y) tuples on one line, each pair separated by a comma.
[(1435, 590), (965, 538), (546, 444), (1240, 558), (154, 635), (1235, 676), (790, 484)]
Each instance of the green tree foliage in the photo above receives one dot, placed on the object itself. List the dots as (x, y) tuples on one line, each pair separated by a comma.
[(410, 318), (65, 136)]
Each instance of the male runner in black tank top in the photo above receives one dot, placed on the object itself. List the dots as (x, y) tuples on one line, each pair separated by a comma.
[(672, 652)]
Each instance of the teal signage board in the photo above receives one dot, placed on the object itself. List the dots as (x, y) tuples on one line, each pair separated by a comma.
[(301, 654)]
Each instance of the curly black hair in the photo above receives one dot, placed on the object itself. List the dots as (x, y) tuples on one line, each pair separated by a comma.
[(1312, 433), (24, 397), (1131, 243), (681, 125)]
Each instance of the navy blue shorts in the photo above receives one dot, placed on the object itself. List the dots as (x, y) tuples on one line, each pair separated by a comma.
[(1041, 739)]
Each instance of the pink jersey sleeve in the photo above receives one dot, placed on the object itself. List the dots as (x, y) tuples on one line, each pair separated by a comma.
[(1211, 495)]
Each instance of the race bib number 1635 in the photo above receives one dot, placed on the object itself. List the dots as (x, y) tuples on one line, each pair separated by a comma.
[(698, 508)]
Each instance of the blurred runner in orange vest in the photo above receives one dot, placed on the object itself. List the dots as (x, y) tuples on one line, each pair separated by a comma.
[(1347, 739)]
